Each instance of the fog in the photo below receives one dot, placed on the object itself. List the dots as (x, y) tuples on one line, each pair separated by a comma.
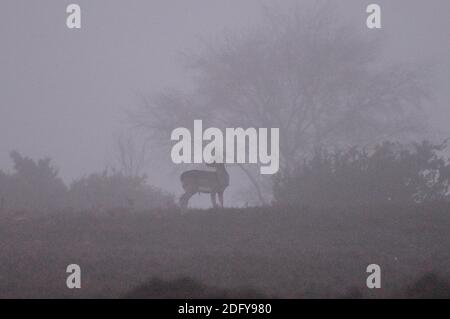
[(65, 93)]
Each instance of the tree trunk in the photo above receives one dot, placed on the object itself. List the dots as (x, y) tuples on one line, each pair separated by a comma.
[(255, 184)]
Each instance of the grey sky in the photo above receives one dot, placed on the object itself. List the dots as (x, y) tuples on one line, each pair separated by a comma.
[(63, 92)]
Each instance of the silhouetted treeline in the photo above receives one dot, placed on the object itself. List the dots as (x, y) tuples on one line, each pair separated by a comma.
[(389, 173), (36, 186)]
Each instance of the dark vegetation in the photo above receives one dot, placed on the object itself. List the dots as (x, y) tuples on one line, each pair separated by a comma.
[(34, 186), (389, 173), (188, 288)]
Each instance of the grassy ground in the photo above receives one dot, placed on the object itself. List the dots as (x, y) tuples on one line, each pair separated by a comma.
[(252, 252)]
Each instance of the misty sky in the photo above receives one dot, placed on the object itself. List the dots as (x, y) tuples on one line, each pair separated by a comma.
[(63, 93)]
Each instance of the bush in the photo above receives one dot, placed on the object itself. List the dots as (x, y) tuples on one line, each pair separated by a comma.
[(35, 186), (391, 172), (105, 191)]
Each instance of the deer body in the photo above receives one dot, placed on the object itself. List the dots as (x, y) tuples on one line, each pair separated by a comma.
[(197, 181)]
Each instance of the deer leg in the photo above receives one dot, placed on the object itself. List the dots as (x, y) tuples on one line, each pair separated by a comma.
[(221, 198), (184, 200), (213, 199)]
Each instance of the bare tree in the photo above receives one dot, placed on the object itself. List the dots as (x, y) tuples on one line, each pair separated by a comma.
[(319, 81), (130, 158)]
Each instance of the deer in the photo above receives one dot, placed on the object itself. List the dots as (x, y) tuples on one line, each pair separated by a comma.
[(199, 181)]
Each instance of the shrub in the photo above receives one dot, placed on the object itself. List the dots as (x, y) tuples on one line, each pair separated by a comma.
[(107, 191), (32, 186), (35, 186), (390, 173)]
